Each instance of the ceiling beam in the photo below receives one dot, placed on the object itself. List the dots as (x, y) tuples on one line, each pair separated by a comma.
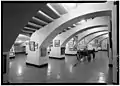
[(27, 34), (27, 31), (30, 28), (37, 19), (33, 24), (45, 15)]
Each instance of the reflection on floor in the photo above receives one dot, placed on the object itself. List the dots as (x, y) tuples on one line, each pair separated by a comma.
[(60, 71)]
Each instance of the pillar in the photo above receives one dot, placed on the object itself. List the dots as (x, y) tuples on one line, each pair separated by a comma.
[(114, 43), (110, 43), (57, 51)]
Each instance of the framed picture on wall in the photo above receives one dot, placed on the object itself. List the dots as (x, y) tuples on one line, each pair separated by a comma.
[(57, 43), (36, 45), (51, 44), (32, 45)]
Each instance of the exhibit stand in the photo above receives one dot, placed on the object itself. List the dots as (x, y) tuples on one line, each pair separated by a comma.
[(71, 47), (37, 56), (56, 50)]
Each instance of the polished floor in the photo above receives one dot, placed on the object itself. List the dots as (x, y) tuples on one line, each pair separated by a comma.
[(60, 71)]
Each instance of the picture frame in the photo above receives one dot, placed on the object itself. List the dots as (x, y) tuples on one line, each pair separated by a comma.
[(36, 45), (57, 43), (32, 45)]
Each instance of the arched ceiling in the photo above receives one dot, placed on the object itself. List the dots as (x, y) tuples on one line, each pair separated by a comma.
[(105, 35), (47, 13), (103, 39)]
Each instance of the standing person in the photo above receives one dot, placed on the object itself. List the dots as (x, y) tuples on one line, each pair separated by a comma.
[(93, 53), (85, 53), (78, 55)]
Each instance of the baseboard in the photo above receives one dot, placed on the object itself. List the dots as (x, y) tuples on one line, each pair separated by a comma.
[(71, 54), (110, 65), (57, 58), (115, 83), (12, 57), (20, 52), (102, 50), (39, 66)]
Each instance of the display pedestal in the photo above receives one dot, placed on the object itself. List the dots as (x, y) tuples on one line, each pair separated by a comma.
[(70, 52), (57, 52)]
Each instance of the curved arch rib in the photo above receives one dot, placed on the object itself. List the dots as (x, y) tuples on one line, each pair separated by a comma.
[(95, 24), (105, 34), (103, 39), (48, 32)]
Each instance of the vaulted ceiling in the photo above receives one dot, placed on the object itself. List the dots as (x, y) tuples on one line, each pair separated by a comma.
[(47, 13)]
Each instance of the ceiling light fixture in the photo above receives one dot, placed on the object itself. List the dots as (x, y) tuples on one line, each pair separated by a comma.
[(82, 21), (69, 27), (74, 24), (19, 41)]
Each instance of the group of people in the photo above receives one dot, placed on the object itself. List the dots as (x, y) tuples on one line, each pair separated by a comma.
[(85, 54)]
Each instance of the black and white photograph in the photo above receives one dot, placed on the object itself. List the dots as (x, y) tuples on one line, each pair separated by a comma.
[(60, 42)]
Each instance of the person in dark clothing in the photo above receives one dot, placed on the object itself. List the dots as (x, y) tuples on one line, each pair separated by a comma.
[(78, 54), (93, 53)]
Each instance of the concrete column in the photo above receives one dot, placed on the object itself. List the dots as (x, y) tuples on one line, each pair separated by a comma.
[(114, 43), (110, 43), (110, 72)]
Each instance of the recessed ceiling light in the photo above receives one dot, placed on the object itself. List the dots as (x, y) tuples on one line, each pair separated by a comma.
[(19, 41), (69, 27), (74, 24), (82, 21)]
